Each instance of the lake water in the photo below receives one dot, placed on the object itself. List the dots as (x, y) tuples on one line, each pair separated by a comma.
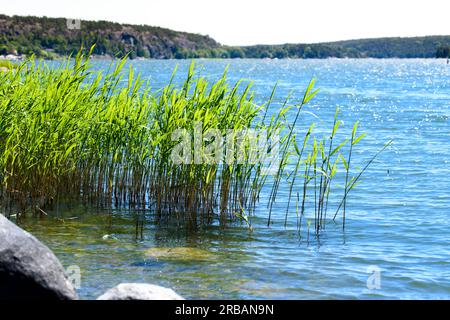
[(398, 218)]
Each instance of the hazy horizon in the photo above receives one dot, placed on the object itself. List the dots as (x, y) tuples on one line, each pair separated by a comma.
[(244, 23)]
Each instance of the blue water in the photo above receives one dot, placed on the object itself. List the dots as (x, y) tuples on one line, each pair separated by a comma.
[(398, 218)]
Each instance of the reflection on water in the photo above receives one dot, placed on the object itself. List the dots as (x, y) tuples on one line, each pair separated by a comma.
[(398, 218)]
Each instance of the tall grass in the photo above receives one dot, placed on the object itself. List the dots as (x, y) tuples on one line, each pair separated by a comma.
[(7, 65), (71, 134)]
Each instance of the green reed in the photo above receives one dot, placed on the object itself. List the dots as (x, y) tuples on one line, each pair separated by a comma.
[(7, 65), (104, 139)]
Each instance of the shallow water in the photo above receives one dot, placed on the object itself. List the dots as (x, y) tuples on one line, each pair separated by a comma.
[(398, 218)]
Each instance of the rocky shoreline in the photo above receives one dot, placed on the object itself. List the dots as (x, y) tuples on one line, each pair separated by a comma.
[(29, 270), (12, 57)]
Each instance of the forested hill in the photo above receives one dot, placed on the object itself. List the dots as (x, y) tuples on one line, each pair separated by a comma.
[(416, 47), (48, 37), (52, 37)]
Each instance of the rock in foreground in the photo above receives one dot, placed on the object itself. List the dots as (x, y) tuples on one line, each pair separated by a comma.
[(139, 291), (28, 269)]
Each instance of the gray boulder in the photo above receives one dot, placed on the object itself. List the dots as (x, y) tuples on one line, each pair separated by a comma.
[(139, 291), (28, 269)]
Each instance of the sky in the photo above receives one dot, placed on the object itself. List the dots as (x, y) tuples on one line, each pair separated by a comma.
[(247, 22)]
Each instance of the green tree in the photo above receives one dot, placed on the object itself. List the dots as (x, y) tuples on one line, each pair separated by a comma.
[(443, 52)]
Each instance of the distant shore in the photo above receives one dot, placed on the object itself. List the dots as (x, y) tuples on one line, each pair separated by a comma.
[(20, 58), (50, 38)]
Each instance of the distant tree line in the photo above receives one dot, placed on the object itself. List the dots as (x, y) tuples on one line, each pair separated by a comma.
[(443, 52), (51, 37)]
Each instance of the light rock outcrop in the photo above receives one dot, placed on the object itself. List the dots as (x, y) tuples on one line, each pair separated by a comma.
[(139, 291)]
